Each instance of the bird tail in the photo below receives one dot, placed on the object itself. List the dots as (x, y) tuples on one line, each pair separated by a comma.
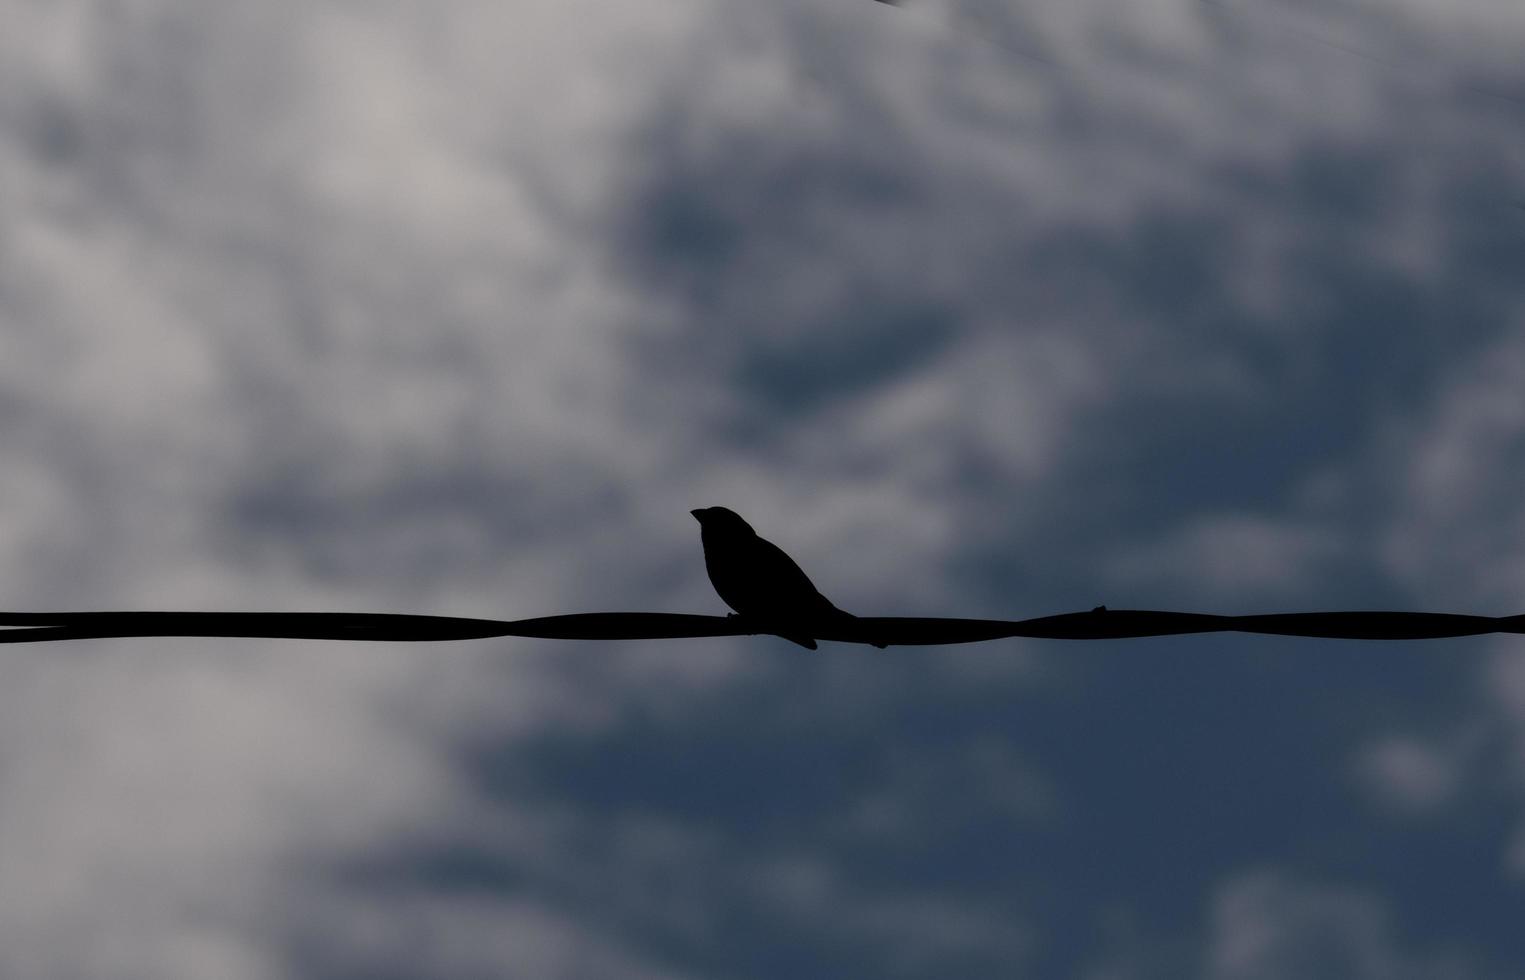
[(801, 632), (865, 634), (862, 630)]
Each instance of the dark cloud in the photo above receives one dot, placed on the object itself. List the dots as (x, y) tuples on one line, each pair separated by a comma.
[(974, 310)]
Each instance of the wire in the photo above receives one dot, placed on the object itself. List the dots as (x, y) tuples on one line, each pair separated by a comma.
[(1098, 624)]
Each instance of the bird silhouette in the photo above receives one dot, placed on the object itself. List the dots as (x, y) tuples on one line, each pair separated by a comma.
[(760, 582)]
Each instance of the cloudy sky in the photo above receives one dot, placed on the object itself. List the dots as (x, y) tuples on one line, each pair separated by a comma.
[(977, 307)]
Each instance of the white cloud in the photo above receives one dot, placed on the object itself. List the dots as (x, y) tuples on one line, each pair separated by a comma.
[(908, 934), (1232, 556), (465, 936), (160, 792), (1505, 684), (258, 261), (1414, 775), (910, 802), (316, 307), (1460, 527), (1268, 924)]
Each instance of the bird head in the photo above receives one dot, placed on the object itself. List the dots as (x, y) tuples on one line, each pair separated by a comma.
[(721, 520)]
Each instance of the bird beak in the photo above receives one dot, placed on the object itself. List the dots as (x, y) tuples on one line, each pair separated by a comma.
[(698, 515)]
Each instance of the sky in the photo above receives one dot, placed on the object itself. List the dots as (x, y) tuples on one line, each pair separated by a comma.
[(975, 307)]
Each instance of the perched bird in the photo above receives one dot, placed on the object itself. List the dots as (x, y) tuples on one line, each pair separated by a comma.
[(760, 582)]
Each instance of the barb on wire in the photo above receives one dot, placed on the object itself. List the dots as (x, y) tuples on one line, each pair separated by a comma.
[(1097, 624)]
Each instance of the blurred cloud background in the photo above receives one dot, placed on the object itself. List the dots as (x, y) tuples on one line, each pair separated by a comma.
[(976, 307)]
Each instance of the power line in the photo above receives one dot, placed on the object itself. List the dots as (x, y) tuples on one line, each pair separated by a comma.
[(1097, 624)]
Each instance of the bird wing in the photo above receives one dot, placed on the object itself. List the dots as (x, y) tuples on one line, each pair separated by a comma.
[(793, 587)]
